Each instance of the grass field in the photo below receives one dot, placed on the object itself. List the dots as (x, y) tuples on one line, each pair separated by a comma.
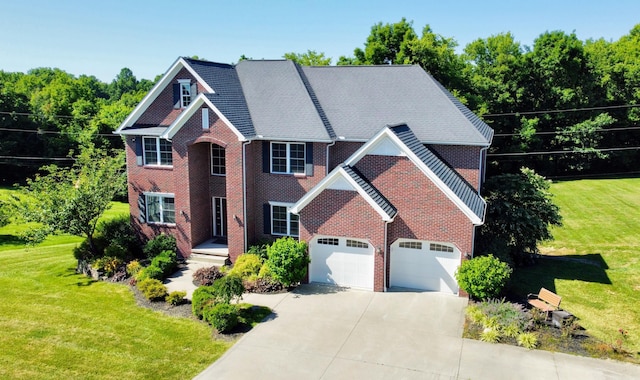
[(56, 324), (597, 264)]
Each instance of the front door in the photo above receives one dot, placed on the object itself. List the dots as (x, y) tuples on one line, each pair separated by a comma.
[(219, 217)]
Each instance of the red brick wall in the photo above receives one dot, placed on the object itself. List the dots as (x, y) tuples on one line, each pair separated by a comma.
[(339, 152), (346, 214), (286, 188), (465, 159)]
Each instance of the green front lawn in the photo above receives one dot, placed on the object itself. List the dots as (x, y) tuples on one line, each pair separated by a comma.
[(598, 274), (55, 323)]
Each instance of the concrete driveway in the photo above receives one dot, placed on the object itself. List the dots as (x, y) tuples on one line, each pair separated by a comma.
[(321, 332)]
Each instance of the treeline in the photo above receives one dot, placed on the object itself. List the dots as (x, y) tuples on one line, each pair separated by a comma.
[(562, 107), (47, 115)]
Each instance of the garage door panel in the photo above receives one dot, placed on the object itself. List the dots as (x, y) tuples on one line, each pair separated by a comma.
[(423, 268), (341, 265)]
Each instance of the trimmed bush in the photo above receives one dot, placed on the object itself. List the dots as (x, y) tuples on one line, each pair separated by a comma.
[(227, 288), (246, 266), (107, 264), (167, 261), (120, 237), (176, 298), (202, 297), (206, 276), (133, 268), (152, 289), (151, 271), (158, 244), (288, 260), (223, 316), (483, 277)]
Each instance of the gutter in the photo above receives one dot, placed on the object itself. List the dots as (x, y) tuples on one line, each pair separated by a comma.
[(244, 192)]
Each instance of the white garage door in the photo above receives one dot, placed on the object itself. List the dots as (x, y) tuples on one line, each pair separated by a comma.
[(341, 261), (424, 265)]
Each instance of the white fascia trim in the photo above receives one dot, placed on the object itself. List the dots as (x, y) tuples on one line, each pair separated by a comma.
[(157, 89), (326, 182), (190, 111), (387, 133)]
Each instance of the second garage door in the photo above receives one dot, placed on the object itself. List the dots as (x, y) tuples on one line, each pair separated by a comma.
[(424, 265), (342, 261)]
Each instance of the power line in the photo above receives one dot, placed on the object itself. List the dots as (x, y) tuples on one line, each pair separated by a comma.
[(40, 132), (560, 110), (566, 132), (560, 152), (33, 114), (37, 158)]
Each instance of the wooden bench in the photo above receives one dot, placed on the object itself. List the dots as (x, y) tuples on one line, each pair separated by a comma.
[(546, 301)]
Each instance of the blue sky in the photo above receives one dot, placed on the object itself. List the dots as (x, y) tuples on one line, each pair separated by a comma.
[(101, 37)]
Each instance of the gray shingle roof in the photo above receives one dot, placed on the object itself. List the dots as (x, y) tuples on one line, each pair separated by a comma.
[(370, 190), (360, 100), (229, 97), (450, 177), (278, 101)]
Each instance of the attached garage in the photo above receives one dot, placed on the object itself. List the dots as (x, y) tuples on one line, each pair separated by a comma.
[(424, 265), (342, 261)]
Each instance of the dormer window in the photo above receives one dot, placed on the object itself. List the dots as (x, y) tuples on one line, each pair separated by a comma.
[(185, 92)]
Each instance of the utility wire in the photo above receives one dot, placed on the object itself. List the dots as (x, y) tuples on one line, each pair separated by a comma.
[(567, 132), (40, 131), (37, 158), (560, 110), (561, 152)]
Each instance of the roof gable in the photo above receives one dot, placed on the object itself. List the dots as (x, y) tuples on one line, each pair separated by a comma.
[(399, 140), (166, 79), (347, 178)]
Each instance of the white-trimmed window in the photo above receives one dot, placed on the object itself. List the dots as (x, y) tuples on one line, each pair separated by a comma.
[(185, 92), (440, 247), (160, 208), (356, 244), (218, 161), (410, 244), (157, 151), (328, 241), (287, 158), (283, 222)]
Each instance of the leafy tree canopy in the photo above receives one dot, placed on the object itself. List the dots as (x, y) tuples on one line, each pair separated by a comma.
[(310, 58)]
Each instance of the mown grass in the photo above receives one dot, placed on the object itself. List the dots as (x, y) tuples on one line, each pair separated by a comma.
[(596, 258), (57, 324)]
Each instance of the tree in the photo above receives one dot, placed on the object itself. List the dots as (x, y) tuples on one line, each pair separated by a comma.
[(519, 215), (124, 82), (71, 200), (384, 44), (310, 58)]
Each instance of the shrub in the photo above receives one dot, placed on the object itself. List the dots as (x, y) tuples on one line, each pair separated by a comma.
[(133, 268), (206, 276), (151, 271), (202, 297), (490, 335), (158, 244), (260, 249), (262, 285), (246, 266), (84, 252), (505, 313), (223, 316), (176, 298), (120, 237), (287, 260), (152, 289), (167, 261), (528, 340), (227, 288), (474, 314), (107, 264), (483, 277)]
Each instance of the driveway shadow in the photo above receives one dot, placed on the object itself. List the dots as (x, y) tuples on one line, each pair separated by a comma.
[(315, 288)]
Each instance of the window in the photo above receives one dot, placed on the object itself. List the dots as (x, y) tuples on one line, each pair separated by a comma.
[(287, 158), (218, 163), (356, 244), (411, 244), (328, 241), (440, 247), (160, 208), (185, 92), (282, 221), (157, 151)]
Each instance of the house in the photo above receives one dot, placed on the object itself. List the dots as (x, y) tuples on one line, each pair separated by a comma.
[(377, 168)]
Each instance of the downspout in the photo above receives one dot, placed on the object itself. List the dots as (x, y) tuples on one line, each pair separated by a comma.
[(386, 253), (327, 165), (244, 191), (483, 165)]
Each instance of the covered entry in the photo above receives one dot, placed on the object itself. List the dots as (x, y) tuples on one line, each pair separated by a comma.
[(342, 261), (424, 265)]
